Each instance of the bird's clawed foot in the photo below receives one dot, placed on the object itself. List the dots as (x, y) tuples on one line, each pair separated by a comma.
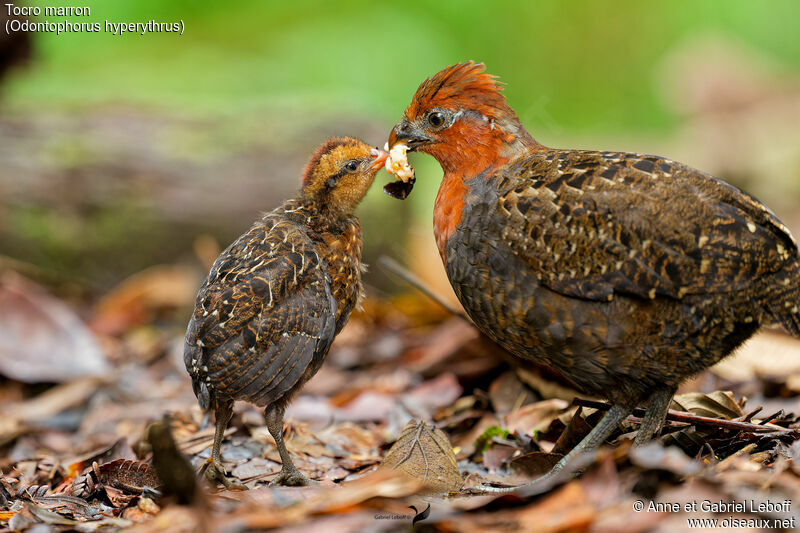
[(215, 473), (291, 477), (538, 485)]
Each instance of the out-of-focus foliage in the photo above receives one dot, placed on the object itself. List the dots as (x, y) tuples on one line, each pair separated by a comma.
[(195, 133), (569, 65)]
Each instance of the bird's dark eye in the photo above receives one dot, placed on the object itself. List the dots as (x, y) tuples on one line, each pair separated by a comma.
[(436, 119), (351, 166)]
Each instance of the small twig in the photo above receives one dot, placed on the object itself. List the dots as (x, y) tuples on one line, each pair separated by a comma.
[(752, 413), (774, 416), (706, 446), (402, 272), (679, 416)]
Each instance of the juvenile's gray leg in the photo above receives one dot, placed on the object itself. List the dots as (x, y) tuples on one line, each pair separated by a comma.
[(289, 474), (213, 469)]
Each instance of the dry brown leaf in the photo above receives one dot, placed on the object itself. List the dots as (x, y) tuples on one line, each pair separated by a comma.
[(564, 510), (546, 385), (718, 404), (201, 440), (534, 417), (749, 362), (576, 430), (54, 400), (264, 511), (424, 452), (507, 393), (426, 398), (495, 458), (134, 300), (41, 339), (654, 456), (534, 464), (445, 341), (349, 440), (131, 476)]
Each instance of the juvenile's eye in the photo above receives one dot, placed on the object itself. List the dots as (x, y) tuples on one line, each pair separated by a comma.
[(351, 166), (436, 119)]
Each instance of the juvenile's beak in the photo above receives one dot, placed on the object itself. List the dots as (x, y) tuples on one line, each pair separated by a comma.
[(406, 132), (380, 159)]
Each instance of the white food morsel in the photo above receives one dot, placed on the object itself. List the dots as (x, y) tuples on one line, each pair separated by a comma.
[(397, 163)]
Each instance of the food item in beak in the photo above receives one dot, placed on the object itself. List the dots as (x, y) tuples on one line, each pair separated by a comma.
[(397, 163)]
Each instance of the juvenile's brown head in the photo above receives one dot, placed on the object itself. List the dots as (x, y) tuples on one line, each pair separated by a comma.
[(460, 117), (339, 174)]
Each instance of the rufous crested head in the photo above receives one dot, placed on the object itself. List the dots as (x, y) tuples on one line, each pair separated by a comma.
[(463, 85), (460, 116), (339, 173)]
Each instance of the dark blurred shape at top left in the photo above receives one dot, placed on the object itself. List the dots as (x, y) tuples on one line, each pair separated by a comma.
[(15, 48)]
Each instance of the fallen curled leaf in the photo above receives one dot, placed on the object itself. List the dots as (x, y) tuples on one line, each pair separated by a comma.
[(566, 509), (575, 431), (134, 300), (718, 404), (50, 517), (41, 339), (424, 452), (132, 476), (148, 506), (534, 464), (534, 416), (749, 362), (433, 394), (119, 450), (507, 393), (655, 456), (496, 457), (262, 510), (53, 401)]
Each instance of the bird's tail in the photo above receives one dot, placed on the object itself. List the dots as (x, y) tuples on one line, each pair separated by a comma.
[(785, 305)]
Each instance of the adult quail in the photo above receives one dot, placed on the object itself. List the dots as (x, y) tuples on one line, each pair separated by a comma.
[(627, 273)]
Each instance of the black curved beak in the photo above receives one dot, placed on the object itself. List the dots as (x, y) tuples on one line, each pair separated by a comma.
[(406, 132)]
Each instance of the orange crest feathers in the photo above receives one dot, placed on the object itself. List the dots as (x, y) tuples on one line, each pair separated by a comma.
[(460, 85), (327, 146)]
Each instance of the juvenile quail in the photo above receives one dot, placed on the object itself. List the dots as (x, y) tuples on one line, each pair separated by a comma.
[(266, 315)]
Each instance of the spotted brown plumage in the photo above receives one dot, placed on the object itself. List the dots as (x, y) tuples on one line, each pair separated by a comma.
[(627, 273), (274, 300)]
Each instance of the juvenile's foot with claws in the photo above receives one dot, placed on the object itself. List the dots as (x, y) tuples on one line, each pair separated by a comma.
[(291, 477), (215, 473)]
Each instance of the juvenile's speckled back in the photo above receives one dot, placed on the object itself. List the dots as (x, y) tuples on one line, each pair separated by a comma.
[(271, 305)]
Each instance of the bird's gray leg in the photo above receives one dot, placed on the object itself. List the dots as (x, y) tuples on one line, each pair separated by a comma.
[(213, 469), (289, 474), (594, 439), (654, 416)]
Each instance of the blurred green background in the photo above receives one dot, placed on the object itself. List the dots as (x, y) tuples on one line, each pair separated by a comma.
[(118, 151)]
